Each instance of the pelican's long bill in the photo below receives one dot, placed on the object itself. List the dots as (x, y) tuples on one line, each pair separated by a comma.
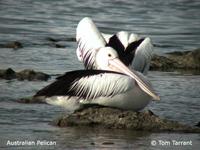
[(117, 65)]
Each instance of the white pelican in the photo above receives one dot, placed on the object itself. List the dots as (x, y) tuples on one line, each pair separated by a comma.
[(115, 85), (131, 49)]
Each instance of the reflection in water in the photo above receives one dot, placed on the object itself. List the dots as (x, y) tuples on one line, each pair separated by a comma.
[(101, 138)]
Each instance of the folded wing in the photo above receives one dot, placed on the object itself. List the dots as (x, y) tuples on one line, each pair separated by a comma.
[(88, 84)]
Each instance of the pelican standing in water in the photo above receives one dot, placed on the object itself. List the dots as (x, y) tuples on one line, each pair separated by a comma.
[(113, 84)]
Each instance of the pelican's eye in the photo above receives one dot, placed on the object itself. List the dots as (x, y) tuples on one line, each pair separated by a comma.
[(109, 55)]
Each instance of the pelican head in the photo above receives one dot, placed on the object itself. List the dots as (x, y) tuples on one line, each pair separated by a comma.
[(103, 58), (107, 59)]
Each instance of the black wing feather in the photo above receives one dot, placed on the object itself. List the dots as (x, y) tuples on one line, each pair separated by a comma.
[(127, 54), (62, 85), (130, 50), (116, 44)]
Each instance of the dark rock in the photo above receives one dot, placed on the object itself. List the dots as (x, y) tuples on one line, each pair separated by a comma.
[(29, 100), (60, 42), (59, 46), (92, 143), (26, 74), (108, 143), (52, 39), (14, 45), (32, 75), (188, 60), (66, 39), (105, 117), (162, 63), (7, 74), (198, 124), (71, 39)]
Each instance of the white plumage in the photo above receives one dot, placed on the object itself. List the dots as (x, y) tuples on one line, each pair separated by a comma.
[(90, 40), (113, 83), (107, 89)]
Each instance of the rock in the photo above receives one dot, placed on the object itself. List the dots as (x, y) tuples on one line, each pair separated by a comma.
[(162, 63), (108, 143), (60, 46), (198, 124), (52, 39), (15, 45), (31, 75), (60, 42), (105, 117), (188, 60), (30, 100), (7, 74), (66, 39), (26, 74)]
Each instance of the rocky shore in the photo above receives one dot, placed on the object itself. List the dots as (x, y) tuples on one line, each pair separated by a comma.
[(13, 44), (30, 100), (105, 117), (173, 61), (26, 74), (188, 60)]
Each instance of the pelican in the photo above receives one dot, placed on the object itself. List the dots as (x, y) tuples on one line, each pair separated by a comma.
[(113, 85), (131, 49)]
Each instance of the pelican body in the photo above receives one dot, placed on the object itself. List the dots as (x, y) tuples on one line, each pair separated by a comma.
[(108, 80), (106, 88), (114, 85)]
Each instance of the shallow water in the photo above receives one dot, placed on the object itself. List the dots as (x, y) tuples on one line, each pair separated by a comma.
[(173, 25), (31, 121)]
